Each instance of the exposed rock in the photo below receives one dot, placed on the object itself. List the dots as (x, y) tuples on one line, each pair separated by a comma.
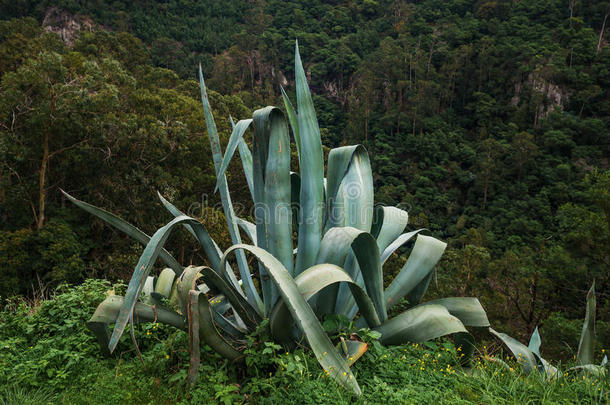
[(552, 96), (66, 25)]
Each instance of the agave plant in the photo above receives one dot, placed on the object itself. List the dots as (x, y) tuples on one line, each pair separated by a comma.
[(333, 266), (529, 356)]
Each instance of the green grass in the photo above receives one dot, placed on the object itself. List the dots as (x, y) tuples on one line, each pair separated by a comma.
[(48, 356)]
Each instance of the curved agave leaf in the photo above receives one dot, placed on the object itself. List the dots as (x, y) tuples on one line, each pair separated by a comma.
[(249, 228), (467, 309), (272, 193), (426, 253), (148, 288), (165, 281), (227, 205), (311, 164), (185, 283), (141, 271), (398, 242), (350, 203), (229, 325), (309, 283), (200, 315), (240, 306), (349, 188), (237, 135), (388, 224), (211, 249), (587, 336), (124, 227), (593, 369), (420, 324), (521, 352), (246, 160), (108, 311), (336, 245), (201, 323), (353, 350), (301, 312)]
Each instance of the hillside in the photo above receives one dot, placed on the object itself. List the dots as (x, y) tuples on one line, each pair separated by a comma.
[(488, 121)]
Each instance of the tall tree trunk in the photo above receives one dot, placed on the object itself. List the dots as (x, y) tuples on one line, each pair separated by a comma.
[(42, 180), (601, 35)]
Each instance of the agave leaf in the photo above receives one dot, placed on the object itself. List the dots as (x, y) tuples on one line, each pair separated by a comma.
[(218, 302), (194, 342), (173, 295), (467, 309), (309, 283), (593, 369), (350, 188), (587, 336), (228, 325), (246, 160), (547, 368), (227, 205), (186, 282), (420, 324), (164, 284), (249, 228), (141, 271), (124, 227), (272, 193), (201, 323), (211, 249), (352, 349), (148, 288), (293, 119), (200, 315), (349, 202), (397, 243), (237, 135), (311, 164), (328, 357), (240, 306), (499, 362), (388, 224), (535, 342), (337, 243), (108, 310), (232, 325), (521, 352), (426, 253), (415, 296)]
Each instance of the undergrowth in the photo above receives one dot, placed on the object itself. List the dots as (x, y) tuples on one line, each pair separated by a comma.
[(48, 356)]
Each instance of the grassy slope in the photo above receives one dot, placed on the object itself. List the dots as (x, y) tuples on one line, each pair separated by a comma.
[(47, 356)]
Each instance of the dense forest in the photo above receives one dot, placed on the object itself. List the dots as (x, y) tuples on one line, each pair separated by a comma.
[(489, 121)]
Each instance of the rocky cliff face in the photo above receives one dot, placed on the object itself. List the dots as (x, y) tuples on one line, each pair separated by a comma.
[(66, 25), (547, 96)]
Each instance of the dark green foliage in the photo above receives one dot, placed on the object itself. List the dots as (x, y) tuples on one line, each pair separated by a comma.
[(31, 259), (487, 120)]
